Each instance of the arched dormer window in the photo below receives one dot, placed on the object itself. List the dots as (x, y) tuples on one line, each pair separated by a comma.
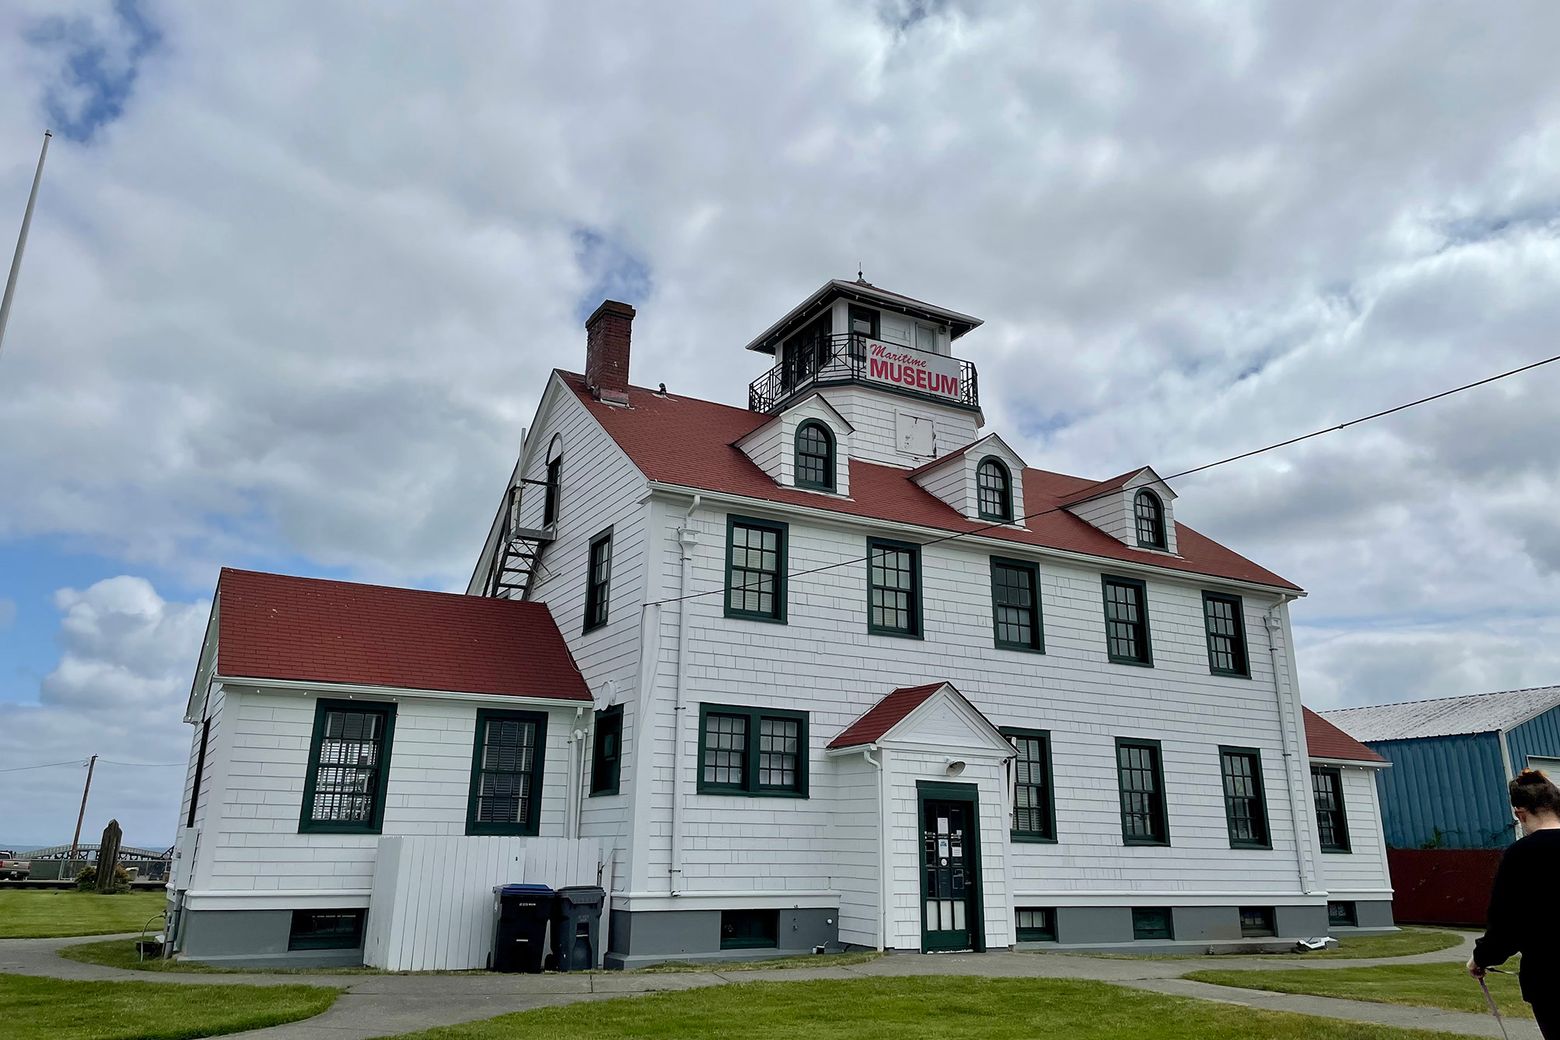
[(1150, 513), (814, 456), (994, 487), (554, 481)]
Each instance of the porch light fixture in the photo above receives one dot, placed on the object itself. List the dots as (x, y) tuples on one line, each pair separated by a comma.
[(955, 766)]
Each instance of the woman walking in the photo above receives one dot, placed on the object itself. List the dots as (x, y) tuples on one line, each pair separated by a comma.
[(1524, 916)]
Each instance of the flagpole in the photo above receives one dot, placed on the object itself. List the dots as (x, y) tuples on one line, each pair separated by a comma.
[(21, 240)]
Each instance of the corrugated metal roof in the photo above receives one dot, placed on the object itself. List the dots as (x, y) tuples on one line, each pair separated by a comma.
[(1446, 716)]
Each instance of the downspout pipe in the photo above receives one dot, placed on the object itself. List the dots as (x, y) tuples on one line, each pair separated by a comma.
[(882, 922), (576, 769), (1274, 623), (687, 540)]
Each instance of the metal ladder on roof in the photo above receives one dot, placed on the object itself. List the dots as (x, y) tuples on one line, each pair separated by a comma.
[(519, 549)]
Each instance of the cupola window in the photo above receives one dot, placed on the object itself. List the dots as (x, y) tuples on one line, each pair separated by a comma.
[(1150, 520), (995, 486), (814, 456)]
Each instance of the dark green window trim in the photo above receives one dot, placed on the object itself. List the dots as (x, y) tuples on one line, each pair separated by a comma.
[(1240, 766), (743, 729), (552, 489), (1036, 643), (1043, 813), (379, 781), (598, 581), (1148, 517), (1137, 801), (829, 457), (1331, 816), (1001, 489), (1153, 922), (1034, 923), (749, 929), (1342, 914), (1224, 618), (606, 752), (912, 591), (782, 533), (326, 929), (531, 823), (1256, 922), (1117, 613)]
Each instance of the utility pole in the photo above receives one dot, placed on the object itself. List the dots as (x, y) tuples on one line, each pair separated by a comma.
[(21, 240), (76, 838)]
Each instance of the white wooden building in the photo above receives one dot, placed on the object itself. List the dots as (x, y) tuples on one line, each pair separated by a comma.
[(850, 672)]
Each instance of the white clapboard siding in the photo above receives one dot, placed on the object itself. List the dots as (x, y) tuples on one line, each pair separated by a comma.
[(432, 902)]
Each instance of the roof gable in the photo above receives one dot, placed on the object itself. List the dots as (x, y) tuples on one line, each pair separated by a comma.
[(276, 626), (935, 713), (1327, 742), (689, 443)]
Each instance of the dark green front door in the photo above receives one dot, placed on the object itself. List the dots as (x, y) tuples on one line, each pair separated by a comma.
[(950, 877)]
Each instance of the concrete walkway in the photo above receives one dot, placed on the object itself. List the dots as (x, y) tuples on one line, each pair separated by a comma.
[(386, 1005)]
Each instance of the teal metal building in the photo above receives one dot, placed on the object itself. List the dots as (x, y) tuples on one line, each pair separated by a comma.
[(1451, 759)]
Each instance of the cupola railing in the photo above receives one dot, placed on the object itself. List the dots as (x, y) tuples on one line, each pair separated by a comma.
[(855, 358)]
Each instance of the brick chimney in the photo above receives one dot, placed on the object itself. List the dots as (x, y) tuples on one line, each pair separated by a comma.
[(607, 333)]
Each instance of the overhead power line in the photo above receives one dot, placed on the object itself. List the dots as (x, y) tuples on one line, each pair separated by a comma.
[(956, 535), (143, 765), (45, 765)]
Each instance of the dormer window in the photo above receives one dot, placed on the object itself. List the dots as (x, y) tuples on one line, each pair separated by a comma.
[(814, 456), (1150, 520), (994, 485)]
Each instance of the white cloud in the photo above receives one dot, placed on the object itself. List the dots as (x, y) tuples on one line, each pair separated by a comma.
[(298, 301), (118, 692)]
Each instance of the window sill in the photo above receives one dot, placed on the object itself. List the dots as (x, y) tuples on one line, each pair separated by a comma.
[(1252, 846), (1020, 838), (892, 634), (588, 629), (739, 792), (507, 830), (322, 827), (1229, 675), (605, 792), (739, 615), (1131, 661), (1020, 648), (1144, 843), (1336, 852)]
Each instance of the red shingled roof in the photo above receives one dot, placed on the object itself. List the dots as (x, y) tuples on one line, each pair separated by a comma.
[(689, 442), (885, 715), (275, 626), (1327, 741)]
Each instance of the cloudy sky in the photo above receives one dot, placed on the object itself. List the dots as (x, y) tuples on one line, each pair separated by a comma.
[(299, 271)]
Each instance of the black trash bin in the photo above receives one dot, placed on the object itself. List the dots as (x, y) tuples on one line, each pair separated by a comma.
[(520, 917), (576, 933)]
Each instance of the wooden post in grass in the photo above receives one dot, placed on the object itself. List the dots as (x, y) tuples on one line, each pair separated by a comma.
[(108, 856)]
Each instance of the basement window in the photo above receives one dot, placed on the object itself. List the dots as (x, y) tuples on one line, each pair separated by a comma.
[(749, 929), (1035, 924), (326, 930), (1256, 921), (1342, 915), (1152, 922)]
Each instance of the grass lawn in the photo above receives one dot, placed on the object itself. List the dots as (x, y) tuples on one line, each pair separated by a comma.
[(52, 1009), (120, 953), (1422, 985), (46, 913), (1403, 943), (952, 1007)]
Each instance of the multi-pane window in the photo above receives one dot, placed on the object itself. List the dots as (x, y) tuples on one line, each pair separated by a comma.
[(1152, 922), (506, 772), (1342, 915), (1245, 807), (755, 568), (326, 930), (1142, 782), (1015, 604), (1150, 515), (1126, 621), (606, 756), (893, 588), (1332, 823), (814, 456), (598, 581), (994, 489), (1256, 921), (349, 759), (752, 751), (1226, 624), (1034, 811), (1035, 924)]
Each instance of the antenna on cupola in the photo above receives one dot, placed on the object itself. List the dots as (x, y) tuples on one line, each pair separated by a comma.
[(859, 276)]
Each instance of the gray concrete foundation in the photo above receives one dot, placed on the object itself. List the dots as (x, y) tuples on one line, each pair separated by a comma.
[(655, 936), (252, 939), (1376, 914), (1301, 922)]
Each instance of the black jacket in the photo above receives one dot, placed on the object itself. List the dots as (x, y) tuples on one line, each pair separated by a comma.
[(1524, 916)]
